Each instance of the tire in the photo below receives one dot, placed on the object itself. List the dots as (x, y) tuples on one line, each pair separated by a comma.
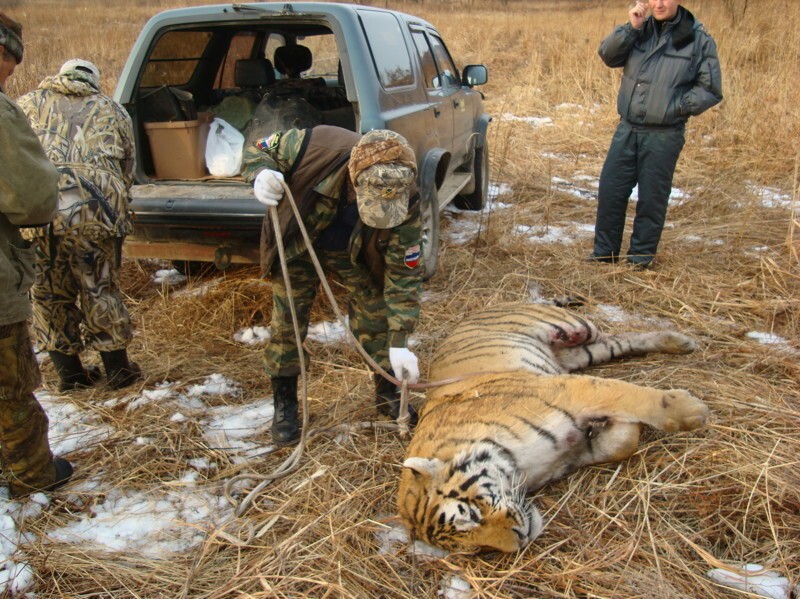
[(429, 217), (477, 199)]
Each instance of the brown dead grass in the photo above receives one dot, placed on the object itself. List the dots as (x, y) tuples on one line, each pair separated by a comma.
[(649, 527)]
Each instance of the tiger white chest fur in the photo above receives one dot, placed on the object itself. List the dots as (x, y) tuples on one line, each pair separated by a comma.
[(484, 440)]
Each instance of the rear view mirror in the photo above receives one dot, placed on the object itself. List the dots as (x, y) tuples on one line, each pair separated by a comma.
[(474, 74)]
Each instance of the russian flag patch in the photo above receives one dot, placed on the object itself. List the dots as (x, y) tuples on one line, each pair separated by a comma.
[(269, 143), (412, 256)]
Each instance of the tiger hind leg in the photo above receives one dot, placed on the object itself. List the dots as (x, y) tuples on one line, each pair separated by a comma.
[(609, 347), (596, 400), (615, 436), (610, 442), (607, 414)]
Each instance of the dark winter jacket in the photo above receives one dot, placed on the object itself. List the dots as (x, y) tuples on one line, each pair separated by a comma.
[(667, 78)]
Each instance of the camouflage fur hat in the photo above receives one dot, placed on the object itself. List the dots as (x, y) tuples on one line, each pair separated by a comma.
[(383, 168), (12, 41)]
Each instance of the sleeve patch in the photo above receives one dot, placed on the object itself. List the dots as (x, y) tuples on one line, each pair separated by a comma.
[(269, 143), (412, 256)]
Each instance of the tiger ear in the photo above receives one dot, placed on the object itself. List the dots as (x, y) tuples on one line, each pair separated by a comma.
[(424, 467)]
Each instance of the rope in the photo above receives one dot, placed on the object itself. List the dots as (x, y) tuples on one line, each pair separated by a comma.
[(401, 424), (292, 463)]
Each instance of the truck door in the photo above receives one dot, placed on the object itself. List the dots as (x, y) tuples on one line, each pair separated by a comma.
[(437, 93), (457, 98)]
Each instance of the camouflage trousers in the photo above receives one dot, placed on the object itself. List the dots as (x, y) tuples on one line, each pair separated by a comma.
[(366, 310), (76, 296), (24, 449)]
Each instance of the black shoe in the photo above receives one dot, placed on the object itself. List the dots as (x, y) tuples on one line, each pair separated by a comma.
[(610, 259), (119, 371), (72, 373), (640, 264), (285, 427), (387, 401)]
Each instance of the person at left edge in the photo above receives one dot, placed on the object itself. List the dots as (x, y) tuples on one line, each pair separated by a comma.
[(358, 200), (28, 196)]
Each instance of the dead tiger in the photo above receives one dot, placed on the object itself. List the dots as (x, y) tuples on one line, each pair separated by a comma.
[(483, 442)]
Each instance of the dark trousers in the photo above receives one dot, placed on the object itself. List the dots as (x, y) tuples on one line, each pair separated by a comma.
[(646, 156)]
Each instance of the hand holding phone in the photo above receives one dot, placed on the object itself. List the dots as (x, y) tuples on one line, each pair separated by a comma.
[(637, 14)]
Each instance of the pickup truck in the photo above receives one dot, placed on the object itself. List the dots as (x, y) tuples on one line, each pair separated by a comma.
[(278, 66)]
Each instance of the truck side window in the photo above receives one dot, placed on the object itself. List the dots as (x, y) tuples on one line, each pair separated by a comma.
[(175, 58), (447, 68), (389, 51), (429, 71)]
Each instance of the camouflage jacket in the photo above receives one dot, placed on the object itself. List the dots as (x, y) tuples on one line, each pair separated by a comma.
[(89, 138), (28, 195), (314, 164)]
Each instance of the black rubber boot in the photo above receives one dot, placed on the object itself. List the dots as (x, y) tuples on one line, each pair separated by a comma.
[(285, 428), (387, 401), (64, 472), (119, 371), (72, 373)]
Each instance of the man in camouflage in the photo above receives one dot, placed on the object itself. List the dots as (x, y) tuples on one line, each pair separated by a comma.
[(28, 195), (360, 206), (89, 138)]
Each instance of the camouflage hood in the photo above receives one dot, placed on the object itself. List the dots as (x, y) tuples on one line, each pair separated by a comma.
[(89, 138), (73, 84)]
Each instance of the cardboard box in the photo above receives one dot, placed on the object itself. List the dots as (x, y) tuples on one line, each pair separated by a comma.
[(178, 148)]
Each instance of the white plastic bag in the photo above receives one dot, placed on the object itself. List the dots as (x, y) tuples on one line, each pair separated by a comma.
[(224, 149)]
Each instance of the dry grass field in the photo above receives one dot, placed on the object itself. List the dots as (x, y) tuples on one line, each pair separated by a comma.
[(728, 265)]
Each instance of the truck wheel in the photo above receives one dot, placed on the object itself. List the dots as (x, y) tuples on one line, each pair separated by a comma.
[(477, 199), (429, 215)]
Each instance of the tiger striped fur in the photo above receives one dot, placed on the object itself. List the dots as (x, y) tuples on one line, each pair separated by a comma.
[(522, 421)]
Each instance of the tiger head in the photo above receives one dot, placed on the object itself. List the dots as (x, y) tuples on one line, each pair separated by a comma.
[(473, 503)]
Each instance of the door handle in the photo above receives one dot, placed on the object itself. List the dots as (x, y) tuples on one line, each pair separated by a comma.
[(436, 112)]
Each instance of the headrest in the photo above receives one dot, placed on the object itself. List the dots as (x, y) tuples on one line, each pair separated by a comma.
[(253, 72), (292, 60)]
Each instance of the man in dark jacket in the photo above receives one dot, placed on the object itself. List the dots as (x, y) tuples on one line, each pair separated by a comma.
[(358, 201), (671, 72), (28, 196)]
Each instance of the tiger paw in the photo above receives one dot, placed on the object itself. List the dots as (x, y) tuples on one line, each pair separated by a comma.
[(676, 343), (682, 411)]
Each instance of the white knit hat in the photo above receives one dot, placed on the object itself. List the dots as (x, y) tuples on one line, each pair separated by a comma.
[(76, 64)]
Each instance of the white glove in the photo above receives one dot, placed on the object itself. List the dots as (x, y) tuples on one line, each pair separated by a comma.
[(268, 188), (404, 364)]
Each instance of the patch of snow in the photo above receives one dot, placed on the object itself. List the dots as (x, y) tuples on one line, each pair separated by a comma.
[(454, 587), (534, 121), (756, 580), (168, 277)]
